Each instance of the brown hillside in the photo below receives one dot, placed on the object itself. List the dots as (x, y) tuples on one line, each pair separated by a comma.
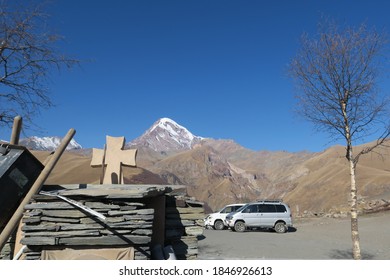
[(211, 178), (223, 172), (326, 184), (74, 168)]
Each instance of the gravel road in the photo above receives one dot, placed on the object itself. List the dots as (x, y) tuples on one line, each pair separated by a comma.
[(311, 239)]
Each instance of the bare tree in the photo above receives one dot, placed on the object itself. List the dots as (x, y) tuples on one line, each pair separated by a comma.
[(337, 74), (27, 58)]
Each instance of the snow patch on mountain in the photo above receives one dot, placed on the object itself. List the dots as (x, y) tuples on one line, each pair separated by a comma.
[(47, 143)]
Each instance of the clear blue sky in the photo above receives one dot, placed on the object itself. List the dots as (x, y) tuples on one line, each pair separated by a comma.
[(217, 67)]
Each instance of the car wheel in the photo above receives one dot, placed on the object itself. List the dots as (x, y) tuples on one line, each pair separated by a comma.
[(239, 226), (280, 227), (218, 225)]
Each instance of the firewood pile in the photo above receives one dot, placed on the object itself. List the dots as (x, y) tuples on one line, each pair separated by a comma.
[(51, 223)]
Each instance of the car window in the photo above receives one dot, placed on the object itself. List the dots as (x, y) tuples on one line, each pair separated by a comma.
[(280, 208), (241, 208), (227, 209), (267, 208), (250, 209), (235, 208)]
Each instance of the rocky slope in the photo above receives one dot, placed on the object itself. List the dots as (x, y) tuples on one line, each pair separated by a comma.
[(219, 172)]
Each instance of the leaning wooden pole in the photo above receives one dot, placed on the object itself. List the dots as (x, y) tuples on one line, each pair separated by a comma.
[(13, 222), (16, 128), (15, 136)]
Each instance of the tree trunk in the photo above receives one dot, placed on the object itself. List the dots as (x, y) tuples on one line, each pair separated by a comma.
[(354, 213)]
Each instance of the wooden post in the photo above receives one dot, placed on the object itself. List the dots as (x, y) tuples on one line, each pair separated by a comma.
[(16, 128), (15, 136), (13, 222)]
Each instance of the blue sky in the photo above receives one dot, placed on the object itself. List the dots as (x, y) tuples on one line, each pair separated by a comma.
[(217, 67)]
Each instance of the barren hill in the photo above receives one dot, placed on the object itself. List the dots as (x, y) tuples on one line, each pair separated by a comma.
[(218, 172), (315, 182)]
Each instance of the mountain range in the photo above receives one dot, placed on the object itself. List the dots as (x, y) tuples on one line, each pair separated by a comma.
[(47, 143), (218, 172)]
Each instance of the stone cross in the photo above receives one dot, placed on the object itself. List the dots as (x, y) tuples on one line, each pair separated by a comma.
[(112, 158)]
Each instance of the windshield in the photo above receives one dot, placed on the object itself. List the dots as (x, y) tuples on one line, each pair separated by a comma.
[(240, 209)]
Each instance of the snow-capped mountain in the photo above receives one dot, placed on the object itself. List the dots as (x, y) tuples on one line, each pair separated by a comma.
[(47, 143), (166, 135)]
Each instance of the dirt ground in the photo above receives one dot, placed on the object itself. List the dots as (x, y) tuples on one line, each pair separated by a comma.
[(310, 239)]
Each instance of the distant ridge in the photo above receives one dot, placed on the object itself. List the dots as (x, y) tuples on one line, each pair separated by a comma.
[(47, 143), (220, 171)]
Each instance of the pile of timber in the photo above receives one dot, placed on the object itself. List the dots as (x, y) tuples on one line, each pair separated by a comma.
[(50, 223), (184, 225)]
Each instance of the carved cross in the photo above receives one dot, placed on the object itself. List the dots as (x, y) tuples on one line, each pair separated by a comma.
[(112, 158)]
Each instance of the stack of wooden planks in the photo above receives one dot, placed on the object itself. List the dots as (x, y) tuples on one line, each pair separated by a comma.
[(51, 223)]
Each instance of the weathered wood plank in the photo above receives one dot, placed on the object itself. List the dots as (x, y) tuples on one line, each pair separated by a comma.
[(32, 213), (47, 205), (115, 219), (81, 226), (185, 210), (131, 203), (116, 191), (131, 212), (130, 224), (138, 217), (40, 227), (72, 233), (65, 213), (128, 207), (60, 220), (96, 205), (95, 220), (106, 240), (142, 231), (136, 231), (31, 220), (38, 240)]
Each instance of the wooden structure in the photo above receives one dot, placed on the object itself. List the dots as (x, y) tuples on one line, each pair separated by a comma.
[(107, 221), (140, 217), (18, 171), (17, 214)]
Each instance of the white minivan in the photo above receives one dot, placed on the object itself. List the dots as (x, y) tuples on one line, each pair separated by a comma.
[(261, 214), (217, 220)]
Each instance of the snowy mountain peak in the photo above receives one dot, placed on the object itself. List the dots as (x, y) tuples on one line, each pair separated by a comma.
[(47, 143), (173, 128), (166, 135)]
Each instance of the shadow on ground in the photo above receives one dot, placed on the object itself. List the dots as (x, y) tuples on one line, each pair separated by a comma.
[(347, 255)]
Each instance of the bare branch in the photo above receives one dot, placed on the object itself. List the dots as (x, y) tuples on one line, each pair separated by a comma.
[(336, 71), (27, 58)]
